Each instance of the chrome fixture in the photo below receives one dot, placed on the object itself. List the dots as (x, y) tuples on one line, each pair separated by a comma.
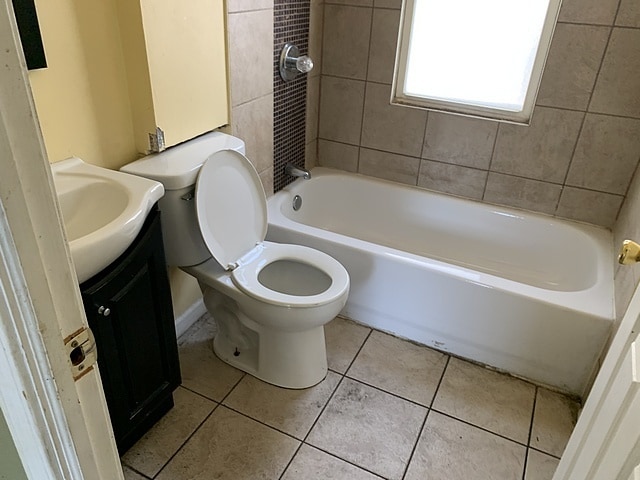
[(291, 63), (291, 169), (297, 203)]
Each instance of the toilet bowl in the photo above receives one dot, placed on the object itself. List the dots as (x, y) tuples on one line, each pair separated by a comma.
[(270, 301)]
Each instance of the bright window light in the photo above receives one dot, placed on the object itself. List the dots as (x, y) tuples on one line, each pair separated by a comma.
[(475, 57)]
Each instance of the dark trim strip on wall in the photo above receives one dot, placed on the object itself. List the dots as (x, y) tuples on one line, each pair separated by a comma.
[(291, 25)]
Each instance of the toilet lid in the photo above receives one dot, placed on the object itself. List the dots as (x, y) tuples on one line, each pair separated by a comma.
[(231, 206)]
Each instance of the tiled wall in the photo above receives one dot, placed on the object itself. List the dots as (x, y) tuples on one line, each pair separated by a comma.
[(316, 20), (291, 25), (575, 160), (250, 36)]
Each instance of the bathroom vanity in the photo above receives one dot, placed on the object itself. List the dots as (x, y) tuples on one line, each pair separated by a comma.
[(128, 306)]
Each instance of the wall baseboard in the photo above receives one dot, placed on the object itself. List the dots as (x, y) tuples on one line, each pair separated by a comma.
[(189, 316)]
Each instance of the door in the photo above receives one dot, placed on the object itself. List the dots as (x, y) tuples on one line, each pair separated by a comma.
[(57, 417), (605, 443)]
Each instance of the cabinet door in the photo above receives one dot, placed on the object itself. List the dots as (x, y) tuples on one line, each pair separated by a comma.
[(129, 310)]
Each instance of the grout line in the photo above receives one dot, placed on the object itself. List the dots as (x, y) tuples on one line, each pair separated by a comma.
[(386, 391), (526, 455), (342, 377), (186, 440), (303, 441), (360, 467), (217, 404), (493, 152), (587, 111), (134, 470), (424, 422), (478, 427)]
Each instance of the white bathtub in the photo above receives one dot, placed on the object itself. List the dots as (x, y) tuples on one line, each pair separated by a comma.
[(525, 293)]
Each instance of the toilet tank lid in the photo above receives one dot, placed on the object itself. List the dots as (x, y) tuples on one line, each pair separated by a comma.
[(178, 166)]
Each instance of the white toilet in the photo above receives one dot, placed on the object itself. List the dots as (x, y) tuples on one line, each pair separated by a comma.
[(269, 300)]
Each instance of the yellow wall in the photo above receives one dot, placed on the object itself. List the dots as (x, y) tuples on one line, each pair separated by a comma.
[(81, 97)]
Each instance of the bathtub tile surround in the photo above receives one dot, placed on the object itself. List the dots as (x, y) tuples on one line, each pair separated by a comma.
[(290, 25), (522, 192), (360, 423), (541, 151), (627, 277), (316, 24), (582, 143), (250, 31), (460, 140), (616, 90), (573, 63)]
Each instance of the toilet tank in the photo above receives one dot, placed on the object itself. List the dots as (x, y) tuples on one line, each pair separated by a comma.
[(177, 169)]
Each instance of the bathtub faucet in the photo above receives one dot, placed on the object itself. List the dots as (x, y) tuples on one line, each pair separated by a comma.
[(291, 169)]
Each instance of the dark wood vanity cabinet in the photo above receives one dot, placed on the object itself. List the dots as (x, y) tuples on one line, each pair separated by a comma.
[(129, 310)]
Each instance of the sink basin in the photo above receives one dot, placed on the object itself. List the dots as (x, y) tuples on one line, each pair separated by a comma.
[(103, 211)]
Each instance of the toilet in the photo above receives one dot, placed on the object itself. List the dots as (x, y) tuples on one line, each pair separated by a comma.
[(270, 301)]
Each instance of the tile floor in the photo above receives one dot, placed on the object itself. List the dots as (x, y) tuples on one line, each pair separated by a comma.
[(387, 409)]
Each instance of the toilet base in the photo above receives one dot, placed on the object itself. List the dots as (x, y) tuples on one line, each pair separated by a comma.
[(285, 359)]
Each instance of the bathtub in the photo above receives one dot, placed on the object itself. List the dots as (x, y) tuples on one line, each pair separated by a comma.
[(524, 293)]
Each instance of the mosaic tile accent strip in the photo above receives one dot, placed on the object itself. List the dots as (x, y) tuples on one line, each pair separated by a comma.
[(291, 25)]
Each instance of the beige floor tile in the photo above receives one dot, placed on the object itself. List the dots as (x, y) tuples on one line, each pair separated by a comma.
[(291, 411), (202, 371), (312, 463), (231, 446), (131, 474), (452, 450), (344, 338), (368, 427), (159, 444), (488, 399), (540, 466), (400, 367), (553, 421)]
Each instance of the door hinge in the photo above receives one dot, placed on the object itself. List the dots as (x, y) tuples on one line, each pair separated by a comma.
[(81, 348), (156, 141)]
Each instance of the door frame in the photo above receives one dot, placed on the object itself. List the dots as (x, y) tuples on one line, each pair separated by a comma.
[(60, 425)]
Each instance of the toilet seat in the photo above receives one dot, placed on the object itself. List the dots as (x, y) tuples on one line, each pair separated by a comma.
[(246, 276), (232, 214), (231, 207)]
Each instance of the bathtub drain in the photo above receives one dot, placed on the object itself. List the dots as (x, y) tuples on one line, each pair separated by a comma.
[(297, 202)]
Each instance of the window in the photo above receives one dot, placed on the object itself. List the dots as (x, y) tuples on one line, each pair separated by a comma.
[(475, 57)]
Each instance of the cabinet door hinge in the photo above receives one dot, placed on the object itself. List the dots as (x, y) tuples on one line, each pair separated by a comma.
[(156, 141), (81, 348)]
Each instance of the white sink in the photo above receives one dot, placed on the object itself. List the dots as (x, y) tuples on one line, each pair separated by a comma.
[(103, 211)]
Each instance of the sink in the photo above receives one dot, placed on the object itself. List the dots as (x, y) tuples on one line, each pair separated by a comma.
[(103, 211)]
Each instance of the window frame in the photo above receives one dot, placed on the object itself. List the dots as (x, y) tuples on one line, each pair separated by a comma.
[(523, 117)]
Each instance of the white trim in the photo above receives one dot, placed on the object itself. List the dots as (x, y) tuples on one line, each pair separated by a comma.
[(40, 429), (190, 316), (399, 97)]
